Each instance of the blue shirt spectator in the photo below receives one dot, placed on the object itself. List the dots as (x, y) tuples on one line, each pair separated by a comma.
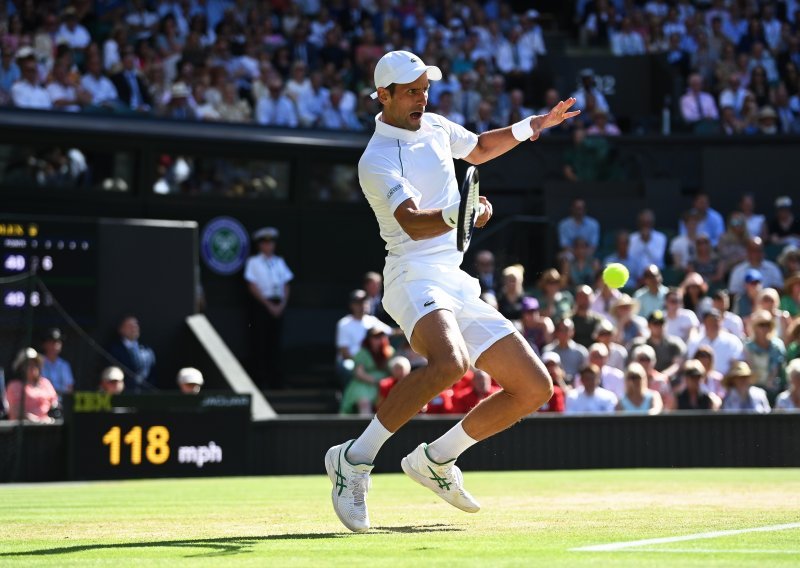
[(578, 225), (711, 222)]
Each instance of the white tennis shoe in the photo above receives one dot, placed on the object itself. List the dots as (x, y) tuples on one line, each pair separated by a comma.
[(446, 480), (351, 483)]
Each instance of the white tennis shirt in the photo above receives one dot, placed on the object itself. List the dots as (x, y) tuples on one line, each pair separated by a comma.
[(399, 164)]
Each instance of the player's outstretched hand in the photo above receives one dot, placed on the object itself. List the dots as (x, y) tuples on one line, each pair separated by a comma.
[(484, 217), (556, 116)]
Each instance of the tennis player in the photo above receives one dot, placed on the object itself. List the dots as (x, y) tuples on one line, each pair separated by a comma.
[(408, 177)]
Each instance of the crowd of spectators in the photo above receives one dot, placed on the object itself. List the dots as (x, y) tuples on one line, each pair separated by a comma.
[(310, 64), (706, 320)]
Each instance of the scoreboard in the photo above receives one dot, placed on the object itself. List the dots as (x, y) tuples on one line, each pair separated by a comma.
[(156, 435), (62, 253)]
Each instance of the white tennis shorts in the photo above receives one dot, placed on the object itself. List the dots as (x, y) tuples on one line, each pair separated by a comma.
[(413, 290)]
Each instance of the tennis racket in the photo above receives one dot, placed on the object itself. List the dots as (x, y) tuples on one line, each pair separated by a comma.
[(469, 209)]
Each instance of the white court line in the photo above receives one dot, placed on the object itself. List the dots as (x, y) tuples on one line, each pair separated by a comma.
[(615, 546), (710, 551)]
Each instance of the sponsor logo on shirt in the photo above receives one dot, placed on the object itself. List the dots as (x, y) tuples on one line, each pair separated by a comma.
[(394, 190)]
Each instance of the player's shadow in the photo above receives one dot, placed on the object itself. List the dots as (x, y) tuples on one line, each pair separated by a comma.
[(223, 546)]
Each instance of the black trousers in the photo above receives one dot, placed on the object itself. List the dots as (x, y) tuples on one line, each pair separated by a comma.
[(265, 354)]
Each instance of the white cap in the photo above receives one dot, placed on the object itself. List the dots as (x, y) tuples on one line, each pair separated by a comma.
[(402, 67), (190, 376), (112, 374), (551, 357)]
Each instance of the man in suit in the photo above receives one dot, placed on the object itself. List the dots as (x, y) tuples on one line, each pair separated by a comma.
[(131, 86), (137, 360)]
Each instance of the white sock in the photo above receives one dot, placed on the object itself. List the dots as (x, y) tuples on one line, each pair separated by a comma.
[(366, 446), (452, 444)]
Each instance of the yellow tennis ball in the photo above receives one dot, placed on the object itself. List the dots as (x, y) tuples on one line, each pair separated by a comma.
[(615, 275)]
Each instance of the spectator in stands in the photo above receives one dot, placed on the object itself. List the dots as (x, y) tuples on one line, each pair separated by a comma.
[(730, 321), (765, 353), (9, 73), (141, 21), (578, 225), (554, 302), (589, 157), (790, 301), (756, 223), (602, 125), (588, 88), (104, 93), (515, 57), (466, 100), (693, 289), (233, 108), (112, 381), (485, 272), (682, 248), (732, 245), (480, 387), (711, 222), (789, 260), (789, 400), (713, 378), (706, 263), (788, 115), (622, 255), (604, 298), (670, 350), (39, 395), (54, 367), (694, 395), (772, 276), (583, 318), (339, 114), (373, 286), (729, 123), (617, 354), (445, 108), (768, 121), (769, 300), (734, 94), (578, 266), (276, 109), (638, 398), (190, 380), (131, 86), (592, 398), (627, 41), (647, 244), (399, 369), (611, 378), (28, 91), (628, 325), (312, 101), (678, 321), (727, 347), (351, 331), (652, 295), (656, 380), (742, 395), (71, 31), (509, 300), (267, 276), (64, 95), (747, 302), (534, 327), (484, 122), (557, 402), (138, 360), (179, 106), (573, 355), (370, 366), (698, 105), (784, 228)]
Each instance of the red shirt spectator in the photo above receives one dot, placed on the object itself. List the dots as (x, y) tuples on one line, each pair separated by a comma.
[(467, 393)]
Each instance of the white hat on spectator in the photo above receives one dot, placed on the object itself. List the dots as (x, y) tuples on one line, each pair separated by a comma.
[(24, 52), (112, 374), (179, 91), (190, 376), (551, 357), (402, 67)]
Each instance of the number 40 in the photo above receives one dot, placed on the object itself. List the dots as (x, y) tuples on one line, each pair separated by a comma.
[(157, 450)]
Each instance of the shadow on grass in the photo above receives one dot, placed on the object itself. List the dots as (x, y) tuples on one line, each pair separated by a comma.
[(224, 546)]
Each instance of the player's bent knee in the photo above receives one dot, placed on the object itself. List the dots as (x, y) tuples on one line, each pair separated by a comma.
[(533, 391), (450, 369)]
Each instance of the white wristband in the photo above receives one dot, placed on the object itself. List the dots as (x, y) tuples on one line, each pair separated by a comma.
[(522, 130), (450, 214)]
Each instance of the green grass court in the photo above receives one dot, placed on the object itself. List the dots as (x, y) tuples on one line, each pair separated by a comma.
[(528, 518)]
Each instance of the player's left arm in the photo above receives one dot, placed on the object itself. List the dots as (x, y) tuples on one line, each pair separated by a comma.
[(497, 142)]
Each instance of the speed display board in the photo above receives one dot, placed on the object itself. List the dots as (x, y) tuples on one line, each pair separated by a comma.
[(159, 435)]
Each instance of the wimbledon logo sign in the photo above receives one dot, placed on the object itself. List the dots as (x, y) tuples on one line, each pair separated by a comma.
[(224, 245)]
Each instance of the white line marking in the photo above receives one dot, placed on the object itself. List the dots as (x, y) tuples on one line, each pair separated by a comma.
[(615, 546), (710, 551)]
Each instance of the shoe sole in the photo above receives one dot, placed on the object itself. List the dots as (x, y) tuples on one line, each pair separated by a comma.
[(410, 472), (332, 476)]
